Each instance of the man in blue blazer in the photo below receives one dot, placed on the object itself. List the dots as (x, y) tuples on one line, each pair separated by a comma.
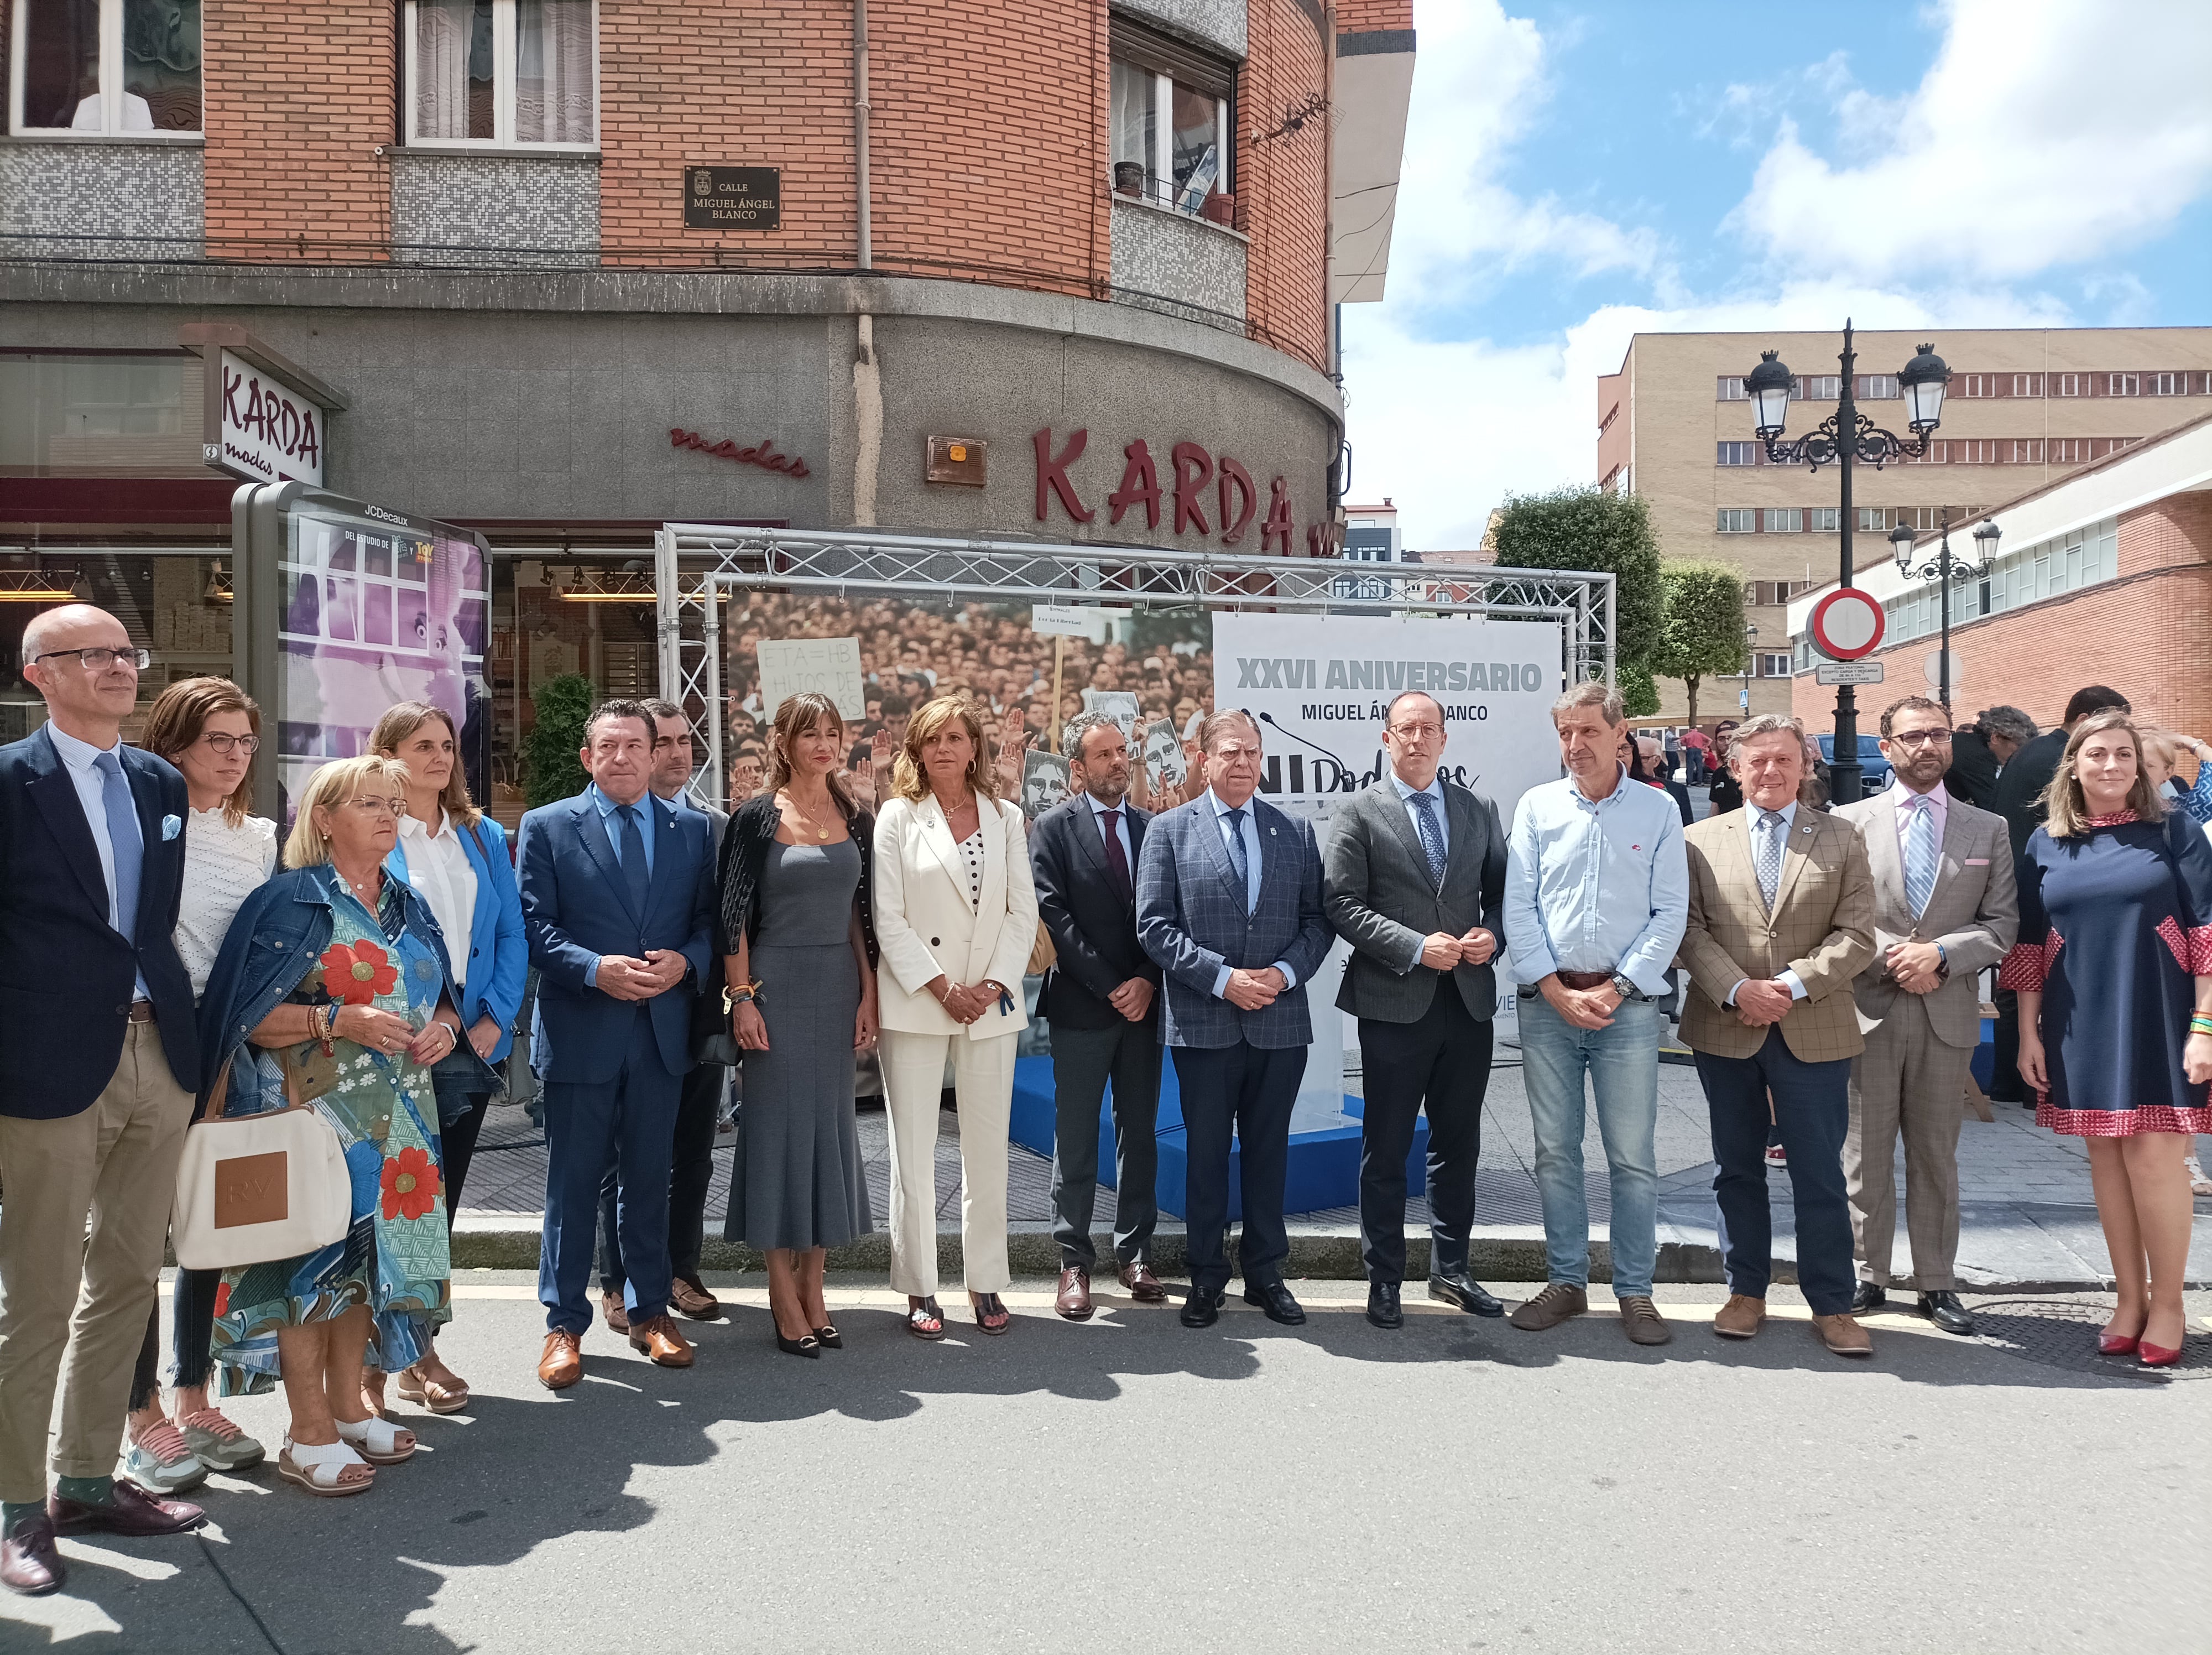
[(1229, 905), (618, 897), (98, 1064)]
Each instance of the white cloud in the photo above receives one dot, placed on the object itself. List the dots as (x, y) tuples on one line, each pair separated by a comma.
[(2045, 134)]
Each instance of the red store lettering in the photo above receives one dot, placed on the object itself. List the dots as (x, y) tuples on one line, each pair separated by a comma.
[(1236, 496)]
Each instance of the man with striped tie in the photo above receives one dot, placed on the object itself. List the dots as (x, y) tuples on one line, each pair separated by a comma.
[(1944, 908)]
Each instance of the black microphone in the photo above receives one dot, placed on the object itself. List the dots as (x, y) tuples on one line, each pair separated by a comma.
[(1269, 718)]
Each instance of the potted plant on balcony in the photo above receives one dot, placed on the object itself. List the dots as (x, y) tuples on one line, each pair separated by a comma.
[(1129, 178)]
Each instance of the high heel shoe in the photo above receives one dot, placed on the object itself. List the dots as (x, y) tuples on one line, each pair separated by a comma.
[(2118, 1344), (804, 1345), (829, 1338), (2157, 1355)]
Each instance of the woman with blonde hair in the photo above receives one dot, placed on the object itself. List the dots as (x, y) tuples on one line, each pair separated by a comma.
[(332, 991), (456, 857), (2113, 970), (955, 914), (210, 729)]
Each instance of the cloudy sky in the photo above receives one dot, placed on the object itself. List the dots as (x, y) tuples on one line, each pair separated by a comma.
[(1576, 173)]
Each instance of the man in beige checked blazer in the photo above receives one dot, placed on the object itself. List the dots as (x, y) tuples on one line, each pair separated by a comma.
[(1944, 908), (1781, 921)]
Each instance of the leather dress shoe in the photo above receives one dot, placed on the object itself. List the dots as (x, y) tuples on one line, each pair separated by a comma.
[(692, 1296), (1383, 1309), (1144, 1287), (611, 1307), (1944, 1309), (30, 1563), (1275, 1299), (1202, 1309), (562, 1363), (1073, 1300), (657, 1338), (1867, 1296), (1741, 1317), (1842, 1336), (1458, 1288), (132, 1512)]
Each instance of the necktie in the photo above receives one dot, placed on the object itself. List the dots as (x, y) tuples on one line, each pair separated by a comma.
[(1770, 854), (123, 837), (1433, 838), (1920, 856), (635, 875), (1236, 858), (1110, 824)]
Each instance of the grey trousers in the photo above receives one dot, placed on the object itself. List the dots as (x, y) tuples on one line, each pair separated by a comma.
[(1908, 1081), (1083, 1060)]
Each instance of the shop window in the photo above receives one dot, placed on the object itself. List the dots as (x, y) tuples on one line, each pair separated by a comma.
[(503, 74), (1172, 128), (125, 68), (85, 415)]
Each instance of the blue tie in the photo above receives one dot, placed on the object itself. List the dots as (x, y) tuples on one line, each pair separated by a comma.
[(1236, 859), (1920, 856), (123, 835), (1433, 838), (636, 876)]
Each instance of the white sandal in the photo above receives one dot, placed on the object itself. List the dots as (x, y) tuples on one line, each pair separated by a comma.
[(375, 1440), (317, 1467)]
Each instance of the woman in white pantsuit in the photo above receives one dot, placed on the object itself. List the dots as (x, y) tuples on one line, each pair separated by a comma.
[(955, 916)]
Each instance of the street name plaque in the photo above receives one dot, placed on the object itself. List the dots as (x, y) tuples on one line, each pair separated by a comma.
[(732, 198)]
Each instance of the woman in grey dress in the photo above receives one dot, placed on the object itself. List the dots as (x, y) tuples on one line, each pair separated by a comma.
[(798, 937)]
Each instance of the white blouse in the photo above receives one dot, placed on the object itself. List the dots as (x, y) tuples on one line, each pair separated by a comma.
[(443, 876), (224, 866)]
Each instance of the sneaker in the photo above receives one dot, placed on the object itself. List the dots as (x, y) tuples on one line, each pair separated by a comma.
[(1559, 1301), (161, 1462), (1641, 1321), (1777, 1156)]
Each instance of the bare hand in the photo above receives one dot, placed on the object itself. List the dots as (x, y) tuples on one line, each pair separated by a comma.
[(1133, 999), (669, 968), (1759, 1001), (1251, 991), (1012, 747), (485, 1037), (2037, 1073), (1440, 951), (865, 1027), (1139, 784), (625, 978), (2196, 1059), (883, 752), (1582, 1008), (378, 1030), (750, 1027), (1477, 948), (864, 784), (438, 1039), (1914, 964), (961, 1003)]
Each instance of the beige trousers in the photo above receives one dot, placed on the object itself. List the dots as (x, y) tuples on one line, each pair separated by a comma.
[(984, 1079), (117, 1161), (1907, 1080)]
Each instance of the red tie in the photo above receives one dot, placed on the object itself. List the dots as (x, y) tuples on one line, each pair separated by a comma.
[(1109, 823)]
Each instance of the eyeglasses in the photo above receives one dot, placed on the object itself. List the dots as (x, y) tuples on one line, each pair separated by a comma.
[(393, 808), (1922, 737), (225, 745), (1416, 732), (99, 661)]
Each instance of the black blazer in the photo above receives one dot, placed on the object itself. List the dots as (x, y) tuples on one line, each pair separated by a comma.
[(66, 975), (1093, 926)]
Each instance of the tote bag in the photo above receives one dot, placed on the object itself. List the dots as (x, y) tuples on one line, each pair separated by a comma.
[(254, 1188)]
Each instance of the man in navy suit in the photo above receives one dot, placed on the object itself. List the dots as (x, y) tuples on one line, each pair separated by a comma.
[(98, 1064), (618, 897), (1229, 905)]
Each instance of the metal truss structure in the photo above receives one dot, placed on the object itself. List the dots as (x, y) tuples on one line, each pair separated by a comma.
[(698, 565)]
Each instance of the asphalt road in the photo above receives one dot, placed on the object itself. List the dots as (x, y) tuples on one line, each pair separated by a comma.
[(1130, 1485)]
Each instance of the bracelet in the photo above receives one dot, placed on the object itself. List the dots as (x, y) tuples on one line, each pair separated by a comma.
[(2199, 1023)]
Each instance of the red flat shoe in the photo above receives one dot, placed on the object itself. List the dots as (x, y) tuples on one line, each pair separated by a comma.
[(2157, 1355)]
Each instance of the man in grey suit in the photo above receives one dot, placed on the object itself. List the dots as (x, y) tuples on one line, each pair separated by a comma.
[(1412, 879), (1944, 908), (1229, 906)]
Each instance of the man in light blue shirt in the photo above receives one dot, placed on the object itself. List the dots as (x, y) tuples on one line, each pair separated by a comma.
[(1597, 894)]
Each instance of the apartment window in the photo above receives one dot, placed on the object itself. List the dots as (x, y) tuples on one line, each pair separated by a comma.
[(1736, 519), (1873, 520), (2124, 385), (2170, 385), (1171, 115), (1822, 520), (1784, 520), (2026, 451), (1877, 388), (2069, 385), (1974, 451), (1978, 385), (1769, 594), (124, 68), (1729, 388), (1824, 388), (1737, 453), (503, 73), (1773, 666), (2027, 384)]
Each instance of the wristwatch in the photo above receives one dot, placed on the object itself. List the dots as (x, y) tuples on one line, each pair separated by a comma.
[(1627, 989)]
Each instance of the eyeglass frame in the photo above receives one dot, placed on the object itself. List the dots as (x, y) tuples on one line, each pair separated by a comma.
[(223, 743), (140, 660), (1919, 738)]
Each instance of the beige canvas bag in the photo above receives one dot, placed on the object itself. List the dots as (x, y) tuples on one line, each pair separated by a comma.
[(254, 1188)]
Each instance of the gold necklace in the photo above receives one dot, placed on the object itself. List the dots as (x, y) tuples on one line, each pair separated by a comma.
[(805, 822)]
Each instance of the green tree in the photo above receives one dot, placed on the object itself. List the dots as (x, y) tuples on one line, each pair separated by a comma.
[(1701, 630), (551, 770), (1639, 695), (1597, 530)]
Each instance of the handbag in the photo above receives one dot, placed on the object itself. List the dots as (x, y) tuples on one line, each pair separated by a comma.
[(255, 1187), (1043, 955)]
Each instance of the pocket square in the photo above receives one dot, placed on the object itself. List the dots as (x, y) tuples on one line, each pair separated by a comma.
[(1977, 861), (171, 827)]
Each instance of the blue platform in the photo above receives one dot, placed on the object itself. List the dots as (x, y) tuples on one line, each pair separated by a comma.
[(1324, 1160)]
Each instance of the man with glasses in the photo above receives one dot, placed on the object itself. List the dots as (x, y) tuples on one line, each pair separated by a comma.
[(1412, 879), (98, 1064), (1944, 910)]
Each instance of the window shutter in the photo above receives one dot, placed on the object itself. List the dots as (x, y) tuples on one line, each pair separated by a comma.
[(1132, 42)]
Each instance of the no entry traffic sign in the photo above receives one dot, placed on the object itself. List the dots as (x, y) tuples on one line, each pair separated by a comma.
[(1847, 624)]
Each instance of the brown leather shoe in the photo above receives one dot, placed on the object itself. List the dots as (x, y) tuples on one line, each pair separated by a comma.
[(1641, 1321), (562, 1364), (132, 1513), (1144, 1287), (689, 1295), (611, 1307), (1844, 1335), (1559, 1301), (1074, 1299), (1740, 1317), (30, 1562), (657, 1338)]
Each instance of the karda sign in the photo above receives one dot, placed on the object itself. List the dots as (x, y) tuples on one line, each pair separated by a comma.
[(265, 431), (1194, 485)]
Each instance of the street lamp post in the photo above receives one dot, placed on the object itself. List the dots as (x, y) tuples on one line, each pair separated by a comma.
[(1846, 438), (1944, 572), (1750, 667)]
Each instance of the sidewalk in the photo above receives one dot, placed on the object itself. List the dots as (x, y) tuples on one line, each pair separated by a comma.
[(2027, 1220)]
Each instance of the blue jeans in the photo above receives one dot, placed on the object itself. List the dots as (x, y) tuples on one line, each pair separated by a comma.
[(1622, 1064)]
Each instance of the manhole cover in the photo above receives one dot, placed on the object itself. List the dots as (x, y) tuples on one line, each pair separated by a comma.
[(2063, 1333)]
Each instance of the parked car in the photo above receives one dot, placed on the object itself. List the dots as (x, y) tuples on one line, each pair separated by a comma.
[(1874, 768)]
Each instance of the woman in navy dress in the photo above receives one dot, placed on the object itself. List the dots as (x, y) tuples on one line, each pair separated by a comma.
[(2113, 968)]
